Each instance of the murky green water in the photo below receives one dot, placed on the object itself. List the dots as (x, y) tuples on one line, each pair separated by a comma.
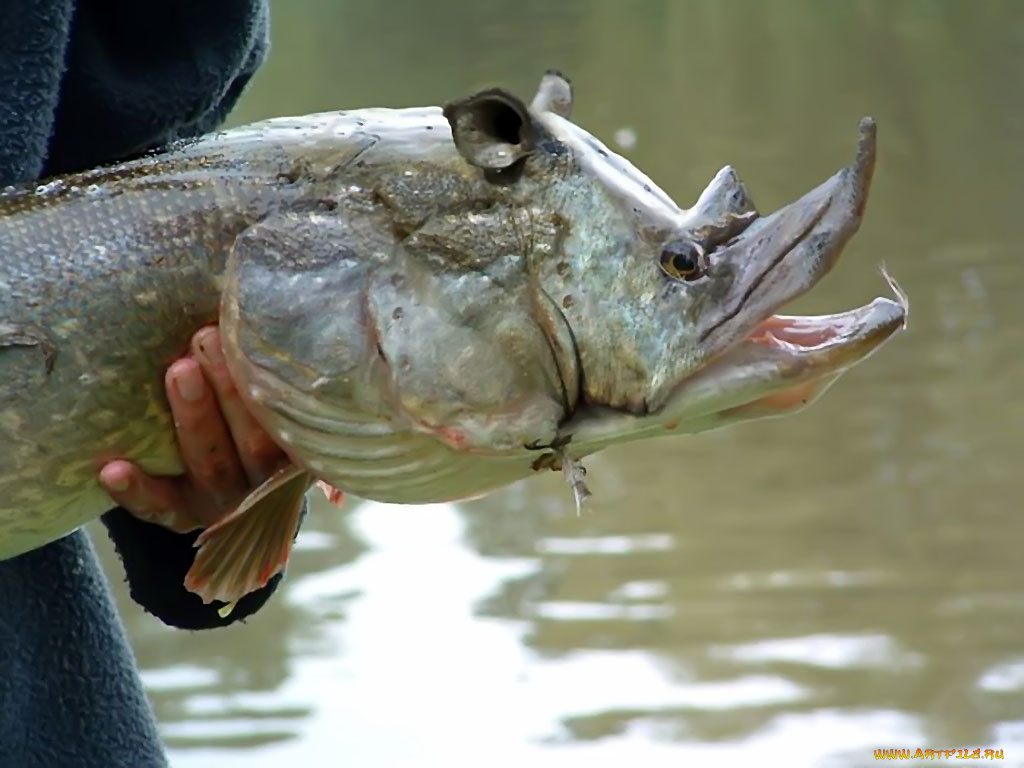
[(802, 590)]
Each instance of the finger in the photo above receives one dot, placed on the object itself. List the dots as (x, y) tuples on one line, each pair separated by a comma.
[(206, 447), (154, 499), (259, 455)]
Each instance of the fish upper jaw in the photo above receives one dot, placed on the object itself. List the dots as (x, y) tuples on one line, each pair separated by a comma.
[(783, 255)]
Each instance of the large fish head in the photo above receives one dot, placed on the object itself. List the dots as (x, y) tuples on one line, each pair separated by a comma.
[(672, 310)]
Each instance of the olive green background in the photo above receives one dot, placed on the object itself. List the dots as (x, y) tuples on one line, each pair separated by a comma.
[(797, 591)]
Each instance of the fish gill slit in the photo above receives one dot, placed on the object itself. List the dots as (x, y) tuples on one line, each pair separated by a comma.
[(537, 295), (580, 373)]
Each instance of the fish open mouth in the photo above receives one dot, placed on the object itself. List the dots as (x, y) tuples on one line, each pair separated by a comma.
[(759, 363), (793, 359)]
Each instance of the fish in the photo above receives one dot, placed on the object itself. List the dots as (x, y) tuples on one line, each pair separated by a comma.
[(418, 304)]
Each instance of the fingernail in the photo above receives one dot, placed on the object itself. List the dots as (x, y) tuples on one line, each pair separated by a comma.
[(119, 484), (208, 345), (189, 383)]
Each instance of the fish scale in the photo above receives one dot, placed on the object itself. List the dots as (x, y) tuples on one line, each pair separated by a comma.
[(418, 305)]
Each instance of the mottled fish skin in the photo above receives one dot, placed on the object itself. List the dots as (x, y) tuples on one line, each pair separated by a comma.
[(415, 303), (111, 271), (114, 269)]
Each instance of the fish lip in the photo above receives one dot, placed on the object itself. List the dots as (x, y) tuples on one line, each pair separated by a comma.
[(800, 354), (772, 372), (781, 256), (811, 347)]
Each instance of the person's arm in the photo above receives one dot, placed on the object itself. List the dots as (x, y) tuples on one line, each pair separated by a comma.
[(86, 83), (140, 74)]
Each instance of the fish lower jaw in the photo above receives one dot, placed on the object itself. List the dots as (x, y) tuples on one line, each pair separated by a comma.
[(789, 360), (783, 365)]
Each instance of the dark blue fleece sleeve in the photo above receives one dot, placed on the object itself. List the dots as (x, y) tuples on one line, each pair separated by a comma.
[(69, 693), (83, 82)]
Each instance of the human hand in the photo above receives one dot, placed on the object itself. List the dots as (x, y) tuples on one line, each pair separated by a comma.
[(225, 451)]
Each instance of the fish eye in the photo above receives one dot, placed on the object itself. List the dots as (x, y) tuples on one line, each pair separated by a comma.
[(683, 260)]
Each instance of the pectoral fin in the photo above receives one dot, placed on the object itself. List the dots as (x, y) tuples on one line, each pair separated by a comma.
[(240, 554)]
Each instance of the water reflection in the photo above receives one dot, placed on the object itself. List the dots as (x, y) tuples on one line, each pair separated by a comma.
[(811, 588)]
